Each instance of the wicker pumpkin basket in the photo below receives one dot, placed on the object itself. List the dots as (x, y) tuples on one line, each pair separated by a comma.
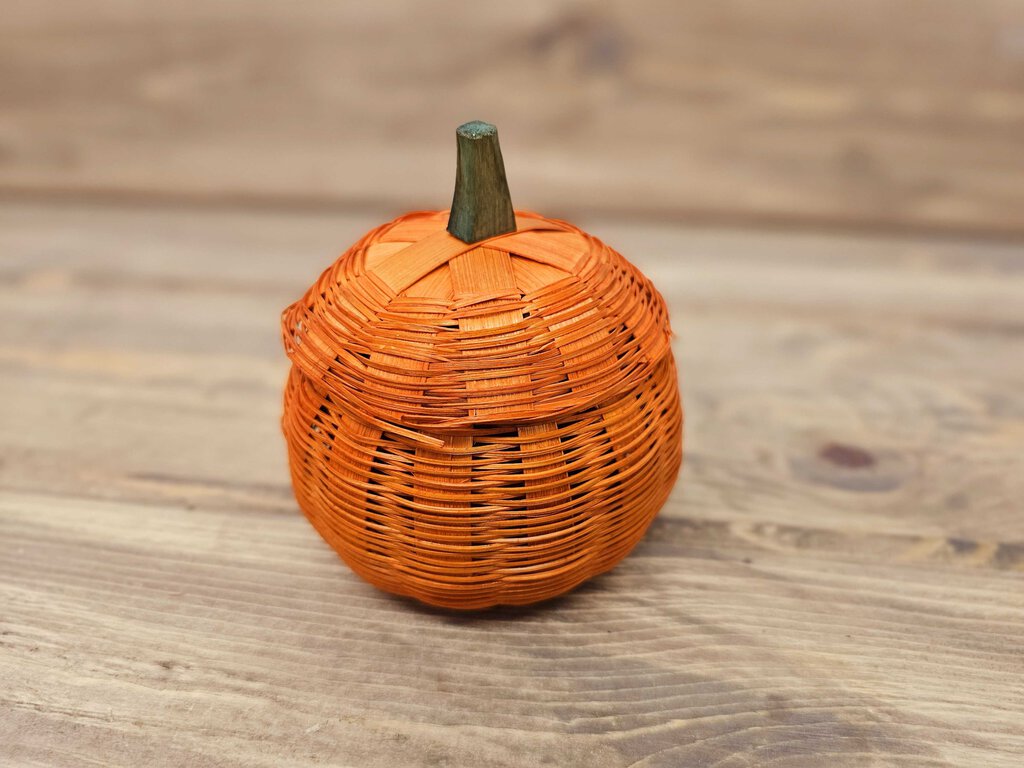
[(482, 407)]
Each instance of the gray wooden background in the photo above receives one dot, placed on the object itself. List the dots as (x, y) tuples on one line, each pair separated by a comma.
[(895, 113), (829, 194)]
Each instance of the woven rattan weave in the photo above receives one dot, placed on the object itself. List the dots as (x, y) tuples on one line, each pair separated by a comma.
[(486, 423)]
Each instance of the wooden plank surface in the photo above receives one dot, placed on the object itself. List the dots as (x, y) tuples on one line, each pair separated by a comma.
[(838, 579), (875, 113)]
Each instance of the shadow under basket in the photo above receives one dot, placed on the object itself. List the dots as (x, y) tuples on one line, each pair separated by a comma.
[(481, 423)]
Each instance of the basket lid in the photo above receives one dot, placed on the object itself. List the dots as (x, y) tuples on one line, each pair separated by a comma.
[(415, 329), (420, 329)]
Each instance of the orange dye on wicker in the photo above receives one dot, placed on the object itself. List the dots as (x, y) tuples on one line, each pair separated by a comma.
[(481, 423)]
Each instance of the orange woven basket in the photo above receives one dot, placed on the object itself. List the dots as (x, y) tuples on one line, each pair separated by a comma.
[(485, 422)]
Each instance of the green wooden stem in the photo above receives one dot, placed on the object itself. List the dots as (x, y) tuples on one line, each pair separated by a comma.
[(482, 206)]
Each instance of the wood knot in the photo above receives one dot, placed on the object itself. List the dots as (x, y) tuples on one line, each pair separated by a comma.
[(848, 456), (850, 467)]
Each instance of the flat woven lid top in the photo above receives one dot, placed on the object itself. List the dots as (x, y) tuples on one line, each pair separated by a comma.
[(417, 329)]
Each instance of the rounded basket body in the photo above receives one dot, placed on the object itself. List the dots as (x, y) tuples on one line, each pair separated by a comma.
[(473, 425)]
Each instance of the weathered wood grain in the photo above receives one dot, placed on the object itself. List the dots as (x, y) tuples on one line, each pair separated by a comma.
[(159, 635), (838, 579), (907, 113)]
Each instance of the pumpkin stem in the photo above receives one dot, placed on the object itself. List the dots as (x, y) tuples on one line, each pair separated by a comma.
[(481, 207)]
